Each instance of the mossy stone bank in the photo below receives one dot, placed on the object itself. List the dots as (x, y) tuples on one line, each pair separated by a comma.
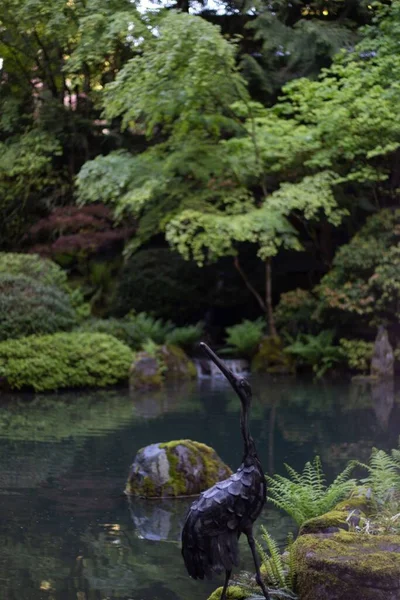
[(271, 357), (176, 468), (348, 566)]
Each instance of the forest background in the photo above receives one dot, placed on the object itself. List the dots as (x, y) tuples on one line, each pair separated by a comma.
[(205, 164)]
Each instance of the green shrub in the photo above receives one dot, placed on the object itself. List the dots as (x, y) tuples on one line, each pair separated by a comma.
[(122, 329), (305, 495), (29, 307), (133, 330), (40, 269), (363, 289), (244, 338), (149, 328), (185, 337), (64, 360), (358, 353), (317, 351), (294, 311)]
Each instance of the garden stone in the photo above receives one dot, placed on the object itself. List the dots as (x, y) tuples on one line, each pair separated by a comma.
[(145, 372), (382, 364), (167, 363), (347, 566), (176, 468)]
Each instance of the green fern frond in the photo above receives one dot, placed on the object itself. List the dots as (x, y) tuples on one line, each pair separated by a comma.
[(306, 495), (383, 474), (275, 559)]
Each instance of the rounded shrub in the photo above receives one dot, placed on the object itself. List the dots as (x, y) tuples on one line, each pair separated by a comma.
[(40, 269), (29, 307), (63, 360)]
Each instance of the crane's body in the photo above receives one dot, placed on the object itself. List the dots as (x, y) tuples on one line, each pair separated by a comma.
[(229, 508)]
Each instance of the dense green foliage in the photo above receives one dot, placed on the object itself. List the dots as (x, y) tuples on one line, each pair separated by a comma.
[(384, 476), (305, 495), (358, 353), (361, 288), (31, 265), (317, 351), (29, 307), (294, 312), (245, 337), (64, 360), (185, 337), (133, 330), (236, 138)]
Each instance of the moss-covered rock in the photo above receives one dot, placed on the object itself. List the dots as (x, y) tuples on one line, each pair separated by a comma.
[(145, 372), (234, 592), (177, 365), (347, 566), (166, 363), (344, 515), (271, 358), (176, 468)]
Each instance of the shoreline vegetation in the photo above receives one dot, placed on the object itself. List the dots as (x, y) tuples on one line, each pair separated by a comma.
[(50, 340), (178, 174)]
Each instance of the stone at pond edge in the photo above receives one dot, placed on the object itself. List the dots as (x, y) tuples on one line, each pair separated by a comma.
[(178, 365), (271, 358), (176, 468), (344, 515), (167, 363), (234, 592), (145, 372), (382, 364), (347, 566)]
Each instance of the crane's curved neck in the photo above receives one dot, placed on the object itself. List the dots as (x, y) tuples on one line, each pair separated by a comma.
[(249, 446)]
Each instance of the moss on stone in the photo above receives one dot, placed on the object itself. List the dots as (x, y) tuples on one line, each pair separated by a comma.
[(234, 592), (326, 523), (167, 363), (349, 566), (271, 357), (177, 364), (198, 452), (192, 468)]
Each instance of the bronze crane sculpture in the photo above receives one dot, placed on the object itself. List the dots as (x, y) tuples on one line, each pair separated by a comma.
[(229, 508)]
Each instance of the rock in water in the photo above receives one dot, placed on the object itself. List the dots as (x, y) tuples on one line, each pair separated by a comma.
[(347, 566), (177, 468), (382, 364)]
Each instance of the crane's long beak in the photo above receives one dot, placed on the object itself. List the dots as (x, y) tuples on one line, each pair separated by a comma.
[(223, 368)]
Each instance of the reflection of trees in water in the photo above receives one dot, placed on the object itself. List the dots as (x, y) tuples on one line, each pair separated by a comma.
[(173, 398), (27, 566), (59, 416), (29, 464)]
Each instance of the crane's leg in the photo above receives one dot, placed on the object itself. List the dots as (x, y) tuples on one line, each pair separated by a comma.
[(259, 580), (227, 578)]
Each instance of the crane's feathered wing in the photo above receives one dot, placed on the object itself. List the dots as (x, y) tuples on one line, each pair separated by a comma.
[(214, 522)]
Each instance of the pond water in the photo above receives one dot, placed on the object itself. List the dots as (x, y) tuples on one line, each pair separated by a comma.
[(67, 531)]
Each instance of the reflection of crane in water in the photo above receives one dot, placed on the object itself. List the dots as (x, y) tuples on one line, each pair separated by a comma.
[(222, 513)]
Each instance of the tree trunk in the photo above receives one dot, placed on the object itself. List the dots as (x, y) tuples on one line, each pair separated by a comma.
[(268, 298), (249, 286)]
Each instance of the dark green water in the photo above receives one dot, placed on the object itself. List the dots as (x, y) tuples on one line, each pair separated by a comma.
[(68, 533)]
